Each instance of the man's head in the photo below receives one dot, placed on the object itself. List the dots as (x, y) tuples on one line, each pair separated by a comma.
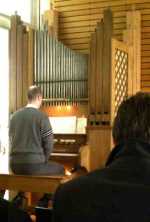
[(133, 119), (35, 95)]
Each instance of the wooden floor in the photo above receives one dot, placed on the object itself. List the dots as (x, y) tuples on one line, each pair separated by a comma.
[(30, 183)]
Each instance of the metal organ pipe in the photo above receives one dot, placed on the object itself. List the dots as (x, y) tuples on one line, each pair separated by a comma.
[(59, 71)]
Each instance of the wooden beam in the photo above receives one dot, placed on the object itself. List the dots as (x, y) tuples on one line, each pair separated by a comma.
[(19, 79), (13, 63), (30, 183), (25, 68), (30, 56), (132, 37), (108, 32)]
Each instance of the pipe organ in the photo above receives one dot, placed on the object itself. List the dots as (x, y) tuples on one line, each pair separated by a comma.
[(68, 78), (100, 72), (59, 71), (38, 58)]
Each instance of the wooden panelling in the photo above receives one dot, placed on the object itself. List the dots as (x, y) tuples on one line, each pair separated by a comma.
[(29, 183), (145, 89), (21, 63), (146, 77), (99, 154), (76, 36), (78, 19), (76, 41)]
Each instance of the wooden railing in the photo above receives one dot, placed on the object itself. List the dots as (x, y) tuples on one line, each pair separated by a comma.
[(30, 183)]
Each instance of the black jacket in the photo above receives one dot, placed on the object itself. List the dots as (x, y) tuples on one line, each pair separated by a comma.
[(118, 193), (8, 213)]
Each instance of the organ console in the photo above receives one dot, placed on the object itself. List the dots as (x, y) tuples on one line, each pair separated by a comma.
[(66, 149)]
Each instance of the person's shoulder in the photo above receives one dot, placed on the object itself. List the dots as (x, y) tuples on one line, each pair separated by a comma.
[(16, 214), (17, 112), (42, 114), (10, 213), (35, 111), (81, 194)]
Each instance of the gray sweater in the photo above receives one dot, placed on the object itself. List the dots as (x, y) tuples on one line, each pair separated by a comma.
[(31, 137)]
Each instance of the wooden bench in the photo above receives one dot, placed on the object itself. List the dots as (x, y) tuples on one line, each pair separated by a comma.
[(30, 183)]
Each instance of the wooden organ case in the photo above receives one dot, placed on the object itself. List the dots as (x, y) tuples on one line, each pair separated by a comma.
[(113, 69)]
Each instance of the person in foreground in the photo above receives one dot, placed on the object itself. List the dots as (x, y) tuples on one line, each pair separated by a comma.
[(121, 191), (31, 139), (9, 213)]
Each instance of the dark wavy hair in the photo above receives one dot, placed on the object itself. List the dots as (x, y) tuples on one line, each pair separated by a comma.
[(33, 92), (133, 119)]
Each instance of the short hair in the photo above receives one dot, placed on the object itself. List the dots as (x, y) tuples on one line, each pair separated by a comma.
[(33, 92), (133, 119)]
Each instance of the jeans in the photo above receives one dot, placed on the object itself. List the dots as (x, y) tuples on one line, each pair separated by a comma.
[(46, 169)]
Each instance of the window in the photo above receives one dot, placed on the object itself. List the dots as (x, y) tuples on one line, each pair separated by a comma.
[(44, 5), (23, 8), (4, 99)]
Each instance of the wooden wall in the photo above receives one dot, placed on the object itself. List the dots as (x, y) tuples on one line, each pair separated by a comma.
[(78, 19)]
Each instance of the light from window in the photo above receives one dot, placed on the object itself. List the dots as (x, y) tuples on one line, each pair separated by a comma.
[(4, 99), (23, 8), (44, 5)]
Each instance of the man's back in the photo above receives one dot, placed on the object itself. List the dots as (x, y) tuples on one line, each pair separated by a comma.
[(31, 139), (26, 128)]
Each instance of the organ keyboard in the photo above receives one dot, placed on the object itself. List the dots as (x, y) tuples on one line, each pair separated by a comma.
[(66, 149)]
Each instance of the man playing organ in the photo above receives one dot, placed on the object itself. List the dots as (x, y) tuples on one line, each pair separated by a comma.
[(31, 139)]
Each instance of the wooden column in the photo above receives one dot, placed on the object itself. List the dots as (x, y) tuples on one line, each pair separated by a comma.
[(107, 61), (132, 37), (100, 144), (19, 79), (21, 62), (31, 55), (13, 44), (51, 20), (99, 129), (100, 72), (25, 68)]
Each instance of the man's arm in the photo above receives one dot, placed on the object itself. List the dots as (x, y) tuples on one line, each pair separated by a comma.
[(47, 137)]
